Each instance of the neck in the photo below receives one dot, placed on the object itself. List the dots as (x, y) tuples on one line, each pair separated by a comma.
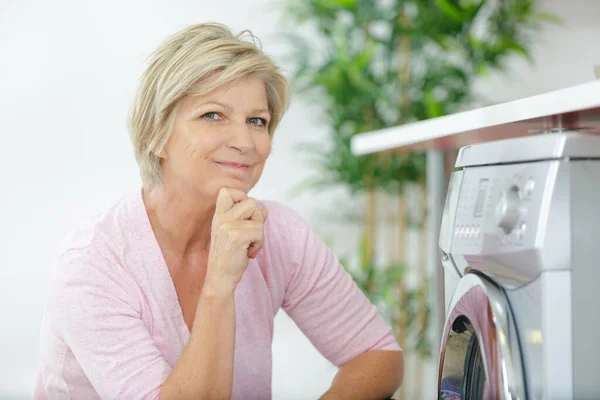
[(181, 218)]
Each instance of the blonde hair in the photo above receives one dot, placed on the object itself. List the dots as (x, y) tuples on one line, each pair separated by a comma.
[(179, 67)]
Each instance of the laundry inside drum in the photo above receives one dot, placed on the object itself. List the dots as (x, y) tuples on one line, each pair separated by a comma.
[(463, 373)]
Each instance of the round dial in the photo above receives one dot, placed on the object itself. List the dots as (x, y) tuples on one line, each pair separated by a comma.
[(507, 210)]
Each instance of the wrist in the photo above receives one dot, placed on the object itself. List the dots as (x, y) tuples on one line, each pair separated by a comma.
[(214, 289), (333, 394)]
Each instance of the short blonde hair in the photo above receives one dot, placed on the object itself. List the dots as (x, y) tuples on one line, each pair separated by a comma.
[(179, 67)]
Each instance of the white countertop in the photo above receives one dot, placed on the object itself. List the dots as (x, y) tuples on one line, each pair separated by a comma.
[(573, 107)]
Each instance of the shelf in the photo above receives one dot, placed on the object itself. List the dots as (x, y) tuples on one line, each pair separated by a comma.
[(573, 107)]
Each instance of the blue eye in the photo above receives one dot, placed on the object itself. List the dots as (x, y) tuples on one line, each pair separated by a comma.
[(258, 121), (212, 116)]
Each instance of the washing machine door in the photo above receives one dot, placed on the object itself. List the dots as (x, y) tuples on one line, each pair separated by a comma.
[(480, 355)]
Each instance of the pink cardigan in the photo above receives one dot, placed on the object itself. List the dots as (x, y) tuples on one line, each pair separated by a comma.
[(113, 327)]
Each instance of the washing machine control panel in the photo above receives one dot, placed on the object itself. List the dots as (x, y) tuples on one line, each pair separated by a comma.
[(498, 207), (507, 209)]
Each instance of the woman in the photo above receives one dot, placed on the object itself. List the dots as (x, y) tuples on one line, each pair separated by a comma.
[(171, 293)]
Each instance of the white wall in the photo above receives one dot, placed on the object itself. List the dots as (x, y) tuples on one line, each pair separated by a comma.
[(68, 70), (563, 55)]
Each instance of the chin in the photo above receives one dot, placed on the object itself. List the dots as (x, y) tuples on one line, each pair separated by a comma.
[(229, 183)]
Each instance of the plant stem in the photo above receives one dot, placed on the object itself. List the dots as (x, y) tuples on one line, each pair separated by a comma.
[(404, 76), (424, 298), (370, 221), (402, 316), (404, 72)]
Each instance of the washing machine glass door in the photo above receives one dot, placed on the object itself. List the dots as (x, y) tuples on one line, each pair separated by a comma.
[(480, 354)]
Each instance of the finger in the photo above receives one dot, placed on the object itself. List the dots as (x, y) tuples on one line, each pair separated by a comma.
[(255, 248), (253, 252), (257, 215), (237, 195), (224, 201), (227, 197), (243, 210), (257, 245), (251, 233), (244, 232)]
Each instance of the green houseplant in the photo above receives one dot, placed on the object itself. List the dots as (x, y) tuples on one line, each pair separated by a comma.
[(378, 64), (372, 64)]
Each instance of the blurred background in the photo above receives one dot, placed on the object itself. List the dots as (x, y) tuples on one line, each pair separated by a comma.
[(68, 71)]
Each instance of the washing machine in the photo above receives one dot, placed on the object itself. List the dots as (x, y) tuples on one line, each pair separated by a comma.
[(520, 245)]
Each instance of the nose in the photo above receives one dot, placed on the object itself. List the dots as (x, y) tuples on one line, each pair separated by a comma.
[(241, 138)]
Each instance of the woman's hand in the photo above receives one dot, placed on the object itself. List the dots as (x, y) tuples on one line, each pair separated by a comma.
[(237, 236), (205, 368)]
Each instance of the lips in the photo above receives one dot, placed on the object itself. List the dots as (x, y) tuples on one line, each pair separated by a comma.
[(235, 165)]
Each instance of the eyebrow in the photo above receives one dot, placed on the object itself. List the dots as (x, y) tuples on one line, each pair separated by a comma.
[(225, 106), (260, 111), (228, 107)]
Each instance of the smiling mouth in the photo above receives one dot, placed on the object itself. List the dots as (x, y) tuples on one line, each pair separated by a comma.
[(233, 165)]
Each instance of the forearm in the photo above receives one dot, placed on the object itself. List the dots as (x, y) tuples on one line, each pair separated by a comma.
[(205, 369), (372, 375)]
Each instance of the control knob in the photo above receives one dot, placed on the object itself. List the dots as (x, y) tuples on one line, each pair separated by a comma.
[(507, 209)]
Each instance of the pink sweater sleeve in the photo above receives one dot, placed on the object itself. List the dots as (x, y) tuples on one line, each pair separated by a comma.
[(92, 306), (321, 297)]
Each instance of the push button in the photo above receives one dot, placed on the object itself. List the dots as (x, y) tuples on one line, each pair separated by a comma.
[(521, 231), (528, 188)]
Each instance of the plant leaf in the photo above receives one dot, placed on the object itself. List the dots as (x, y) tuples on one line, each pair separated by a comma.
[(449, 10)]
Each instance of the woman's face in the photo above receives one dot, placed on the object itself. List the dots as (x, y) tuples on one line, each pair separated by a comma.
[(219, 139)]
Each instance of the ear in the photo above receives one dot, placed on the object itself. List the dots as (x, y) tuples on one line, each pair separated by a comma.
[(161, 155)]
